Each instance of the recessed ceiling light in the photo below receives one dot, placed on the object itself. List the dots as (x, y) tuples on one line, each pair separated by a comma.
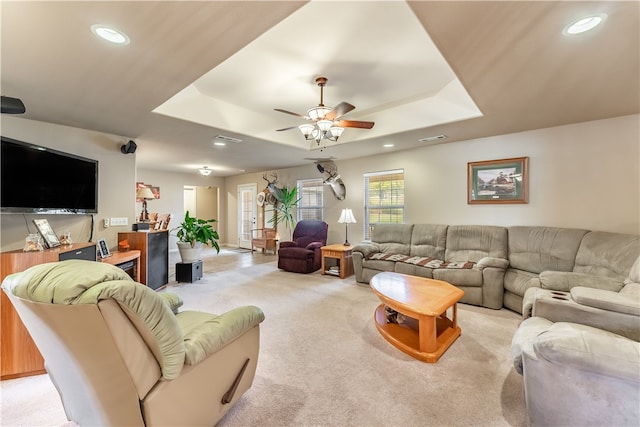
[(109, 34), (388, 145), (219, 143), (585, 24)]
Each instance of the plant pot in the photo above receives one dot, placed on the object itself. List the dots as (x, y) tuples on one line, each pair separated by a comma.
[(189, 253)]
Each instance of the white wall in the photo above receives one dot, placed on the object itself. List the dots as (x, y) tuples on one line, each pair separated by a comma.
[(584, 175), (116, 181), (172, 195)]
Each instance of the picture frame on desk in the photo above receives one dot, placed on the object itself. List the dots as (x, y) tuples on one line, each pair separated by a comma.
[(48, 235), (103, 249)]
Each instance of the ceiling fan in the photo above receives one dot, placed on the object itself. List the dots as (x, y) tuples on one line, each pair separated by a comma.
[(326, 120)]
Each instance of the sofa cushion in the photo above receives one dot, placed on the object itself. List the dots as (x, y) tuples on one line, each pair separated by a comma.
[(393, 238), (565, 280), (294, 252), (607, 254), (518, 281), (428, 240), (474, 242), (459, 277), (536, 249)]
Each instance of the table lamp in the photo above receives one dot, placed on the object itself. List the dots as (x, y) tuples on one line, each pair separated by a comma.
[(145, 194), (346, 218)]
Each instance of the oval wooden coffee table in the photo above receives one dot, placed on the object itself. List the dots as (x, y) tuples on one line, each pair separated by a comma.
[(428, 332)]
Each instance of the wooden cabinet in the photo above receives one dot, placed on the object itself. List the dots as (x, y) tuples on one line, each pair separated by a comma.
[(154, 255), (19, 356)]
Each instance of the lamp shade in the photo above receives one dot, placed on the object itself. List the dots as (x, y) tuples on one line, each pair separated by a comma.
[(346, 217), (144, 193)]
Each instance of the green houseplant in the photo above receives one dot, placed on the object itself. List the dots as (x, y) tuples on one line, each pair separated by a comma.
[(192, 233), (287, 200)]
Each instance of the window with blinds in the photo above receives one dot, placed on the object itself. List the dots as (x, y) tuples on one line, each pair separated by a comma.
[(311, 204), (384, 199)]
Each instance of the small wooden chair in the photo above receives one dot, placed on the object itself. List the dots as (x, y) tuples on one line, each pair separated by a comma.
[(163, 222), (263, 238)]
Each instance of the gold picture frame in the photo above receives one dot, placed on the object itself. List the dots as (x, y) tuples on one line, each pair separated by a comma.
[(498, 181)]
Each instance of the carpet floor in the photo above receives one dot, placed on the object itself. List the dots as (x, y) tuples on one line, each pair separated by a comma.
[(323, 363)]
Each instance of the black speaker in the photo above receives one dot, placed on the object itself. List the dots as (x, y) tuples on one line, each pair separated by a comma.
[(129, 147), (140, 226), (12, 105)]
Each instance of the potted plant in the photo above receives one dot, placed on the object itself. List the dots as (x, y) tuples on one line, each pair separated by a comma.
[(286, 201), (192, 233)]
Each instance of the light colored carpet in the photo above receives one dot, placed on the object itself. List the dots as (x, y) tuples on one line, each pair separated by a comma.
[(323, 363)]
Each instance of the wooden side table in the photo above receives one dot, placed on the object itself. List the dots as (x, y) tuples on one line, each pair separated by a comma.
[(119, 258), (342, 254)]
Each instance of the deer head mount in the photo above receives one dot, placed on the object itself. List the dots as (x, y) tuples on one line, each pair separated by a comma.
[(274, 193), (333, 179)]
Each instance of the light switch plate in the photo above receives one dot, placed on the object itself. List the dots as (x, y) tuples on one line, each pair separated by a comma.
[(119, 221)]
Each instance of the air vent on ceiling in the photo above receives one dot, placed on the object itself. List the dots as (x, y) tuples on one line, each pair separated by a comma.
[(226, 139), (432, 138)]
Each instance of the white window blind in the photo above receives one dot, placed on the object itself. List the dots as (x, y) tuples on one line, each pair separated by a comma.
[(384, 199), (311, 204)]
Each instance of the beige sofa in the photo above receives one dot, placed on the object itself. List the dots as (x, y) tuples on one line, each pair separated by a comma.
[(472, 257), (495, 266)]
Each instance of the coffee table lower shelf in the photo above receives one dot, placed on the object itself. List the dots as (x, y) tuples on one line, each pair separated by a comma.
[(406, 336)]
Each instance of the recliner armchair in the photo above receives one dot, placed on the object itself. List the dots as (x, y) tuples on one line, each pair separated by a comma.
[(303, 254), (119, 354), (577, 375)]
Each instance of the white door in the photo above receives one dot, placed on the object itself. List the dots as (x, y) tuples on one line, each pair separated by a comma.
[(189, 202), (247, 211)]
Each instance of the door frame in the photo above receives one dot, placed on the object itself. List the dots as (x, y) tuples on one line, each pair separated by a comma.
[(248, 217)]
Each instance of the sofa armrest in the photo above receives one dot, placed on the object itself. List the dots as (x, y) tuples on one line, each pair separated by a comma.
[(288, 244), (565, 280), (589, 349), (606, 300), (366, 248), (492, 262), (523, 338), (314, 245), (173, 301), (206, 333)]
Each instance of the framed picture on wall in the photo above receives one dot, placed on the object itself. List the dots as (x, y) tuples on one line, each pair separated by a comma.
[(498, 181), (50, 238), (103, 249)]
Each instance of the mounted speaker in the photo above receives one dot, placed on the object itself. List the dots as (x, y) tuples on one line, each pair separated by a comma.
[(12, 105), (129, 147)]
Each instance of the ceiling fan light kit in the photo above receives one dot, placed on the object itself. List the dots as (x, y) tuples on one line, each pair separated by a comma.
[(326, 124), (205, 171)]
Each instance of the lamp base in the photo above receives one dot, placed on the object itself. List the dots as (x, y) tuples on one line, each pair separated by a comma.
[(347, 243)]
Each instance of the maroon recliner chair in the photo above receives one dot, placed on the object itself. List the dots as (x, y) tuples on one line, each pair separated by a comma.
[(303, 254)]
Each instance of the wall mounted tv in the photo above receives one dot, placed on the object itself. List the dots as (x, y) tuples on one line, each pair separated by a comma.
[(36, 179)]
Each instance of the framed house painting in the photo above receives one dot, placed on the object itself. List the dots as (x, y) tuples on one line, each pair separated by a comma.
[(498, 181)]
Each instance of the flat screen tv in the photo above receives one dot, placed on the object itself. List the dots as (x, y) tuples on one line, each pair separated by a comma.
[(37, 179)]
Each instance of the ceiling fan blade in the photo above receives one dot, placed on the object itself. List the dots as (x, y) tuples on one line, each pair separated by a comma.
[(289, 128), (293, 114), (354, 124), (339, 110)]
